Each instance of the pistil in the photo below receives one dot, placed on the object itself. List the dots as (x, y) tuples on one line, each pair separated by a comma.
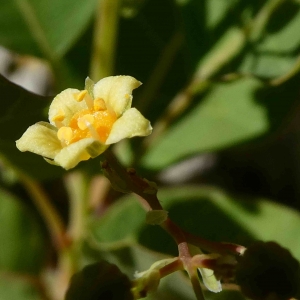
[(86, 122)]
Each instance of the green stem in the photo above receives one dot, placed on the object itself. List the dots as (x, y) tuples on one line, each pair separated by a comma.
[(261, 20), (77, 190), (285, 77), (47, 210), (70, 258), (196, 284), (105, 37)]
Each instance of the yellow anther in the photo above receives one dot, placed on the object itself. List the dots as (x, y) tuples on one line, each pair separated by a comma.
[(85, 121), (80, 96), (65, 134), (59, 116), (99, 104)]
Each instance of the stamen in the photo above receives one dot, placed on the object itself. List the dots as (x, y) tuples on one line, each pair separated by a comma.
[(84, 95), (93, 132), (85, 121), (58, 124), (80, 96), (65, 135), (60, 116), (99, 104)]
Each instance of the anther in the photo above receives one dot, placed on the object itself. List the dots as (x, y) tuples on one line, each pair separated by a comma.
[(85, 121), (60, 116), (80, 96), (65, 134), (84, 95), (99, 104)]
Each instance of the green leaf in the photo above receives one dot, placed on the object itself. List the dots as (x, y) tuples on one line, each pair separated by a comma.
[(32, 26), (22, 242), (276, 53), (217, 10), (112, 234), (19, 110), (132, 258), (12, 287), (120, 222), (100, 280), (212, 213), (228, 115), (204, 211)]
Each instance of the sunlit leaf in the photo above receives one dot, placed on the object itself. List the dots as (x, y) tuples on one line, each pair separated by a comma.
[(228, 115), (208, 212), (276, 53)]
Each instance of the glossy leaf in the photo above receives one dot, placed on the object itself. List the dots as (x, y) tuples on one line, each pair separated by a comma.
[(36, 26), (276, 53), (223, 217), (228, 115)]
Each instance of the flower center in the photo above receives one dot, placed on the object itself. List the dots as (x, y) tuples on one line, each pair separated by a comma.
[(96, 121)]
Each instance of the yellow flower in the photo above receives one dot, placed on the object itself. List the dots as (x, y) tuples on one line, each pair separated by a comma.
[(84, 123)]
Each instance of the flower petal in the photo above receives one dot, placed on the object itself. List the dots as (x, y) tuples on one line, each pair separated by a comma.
[(116, 92), (71, 155), (66, 103), (130, 124), (41, 139)]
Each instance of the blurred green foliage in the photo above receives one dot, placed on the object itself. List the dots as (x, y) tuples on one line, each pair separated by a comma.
[(218, 75)]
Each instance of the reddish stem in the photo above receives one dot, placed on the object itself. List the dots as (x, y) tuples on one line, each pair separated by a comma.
[(222, 248), (139, 186), (171, 268)]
